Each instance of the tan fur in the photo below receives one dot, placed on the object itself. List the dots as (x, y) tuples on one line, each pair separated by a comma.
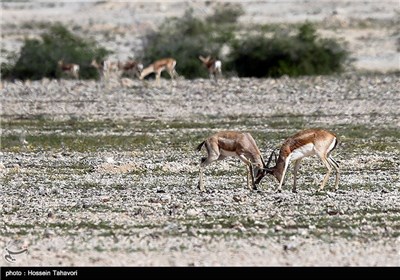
[(158, 66), (232, 143), (131, 66), (320, 142)]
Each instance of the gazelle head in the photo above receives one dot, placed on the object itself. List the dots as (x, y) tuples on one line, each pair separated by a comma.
[(305, 143), (262, 172)]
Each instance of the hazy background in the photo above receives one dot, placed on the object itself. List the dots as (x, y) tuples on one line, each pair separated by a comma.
[(371, 28)]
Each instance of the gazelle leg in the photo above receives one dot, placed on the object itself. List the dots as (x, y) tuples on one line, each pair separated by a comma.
[(158, 76), (295, 169), (173, 74), (201, 180), (215, 78), (328, 166), (212, 156), (249, 171), (283, 175), (336, 166)]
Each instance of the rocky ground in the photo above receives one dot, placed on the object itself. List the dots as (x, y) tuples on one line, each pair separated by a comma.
[(106, 175)]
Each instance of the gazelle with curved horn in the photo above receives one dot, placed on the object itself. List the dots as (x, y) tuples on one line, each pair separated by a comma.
[(235, 144), (306, 143)]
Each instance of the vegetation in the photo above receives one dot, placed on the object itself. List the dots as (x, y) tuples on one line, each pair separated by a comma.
[(188, 37), (269, 52), (283, 54), (38, 58), (263, 52)]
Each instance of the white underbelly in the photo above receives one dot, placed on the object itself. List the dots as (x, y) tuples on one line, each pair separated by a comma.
[(303, 151)]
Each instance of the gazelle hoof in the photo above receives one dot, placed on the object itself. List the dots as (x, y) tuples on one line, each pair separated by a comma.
[(201, 188), (294, 191)]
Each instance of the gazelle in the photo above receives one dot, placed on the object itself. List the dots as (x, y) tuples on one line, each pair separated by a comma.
[(305, 143), (131, 66), (106, 68), (213, 65), (159, 66), (69, 68), (99, 67), (236, 144)]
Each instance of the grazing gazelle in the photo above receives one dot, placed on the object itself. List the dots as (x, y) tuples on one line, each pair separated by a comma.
[(69, 68), (235, 144), (305, 143), (213, 65), (158, 66)]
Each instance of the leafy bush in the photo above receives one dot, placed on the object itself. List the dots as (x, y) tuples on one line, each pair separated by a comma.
[(38, 58), (283, 54), (188, 37), (270, 53)]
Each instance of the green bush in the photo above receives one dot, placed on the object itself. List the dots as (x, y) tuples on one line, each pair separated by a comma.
[(188, 37), (270, 53), (38, 58), (284, 54)]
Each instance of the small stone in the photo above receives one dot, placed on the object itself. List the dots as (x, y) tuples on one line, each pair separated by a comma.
[(47, 233), (192, 212), (290, 223), (278, 228), (290, 246)]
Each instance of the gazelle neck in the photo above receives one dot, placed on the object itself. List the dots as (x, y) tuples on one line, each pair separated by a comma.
[(277, 170)]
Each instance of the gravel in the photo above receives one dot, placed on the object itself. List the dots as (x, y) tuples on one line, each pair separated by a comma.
[(142, 208)]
